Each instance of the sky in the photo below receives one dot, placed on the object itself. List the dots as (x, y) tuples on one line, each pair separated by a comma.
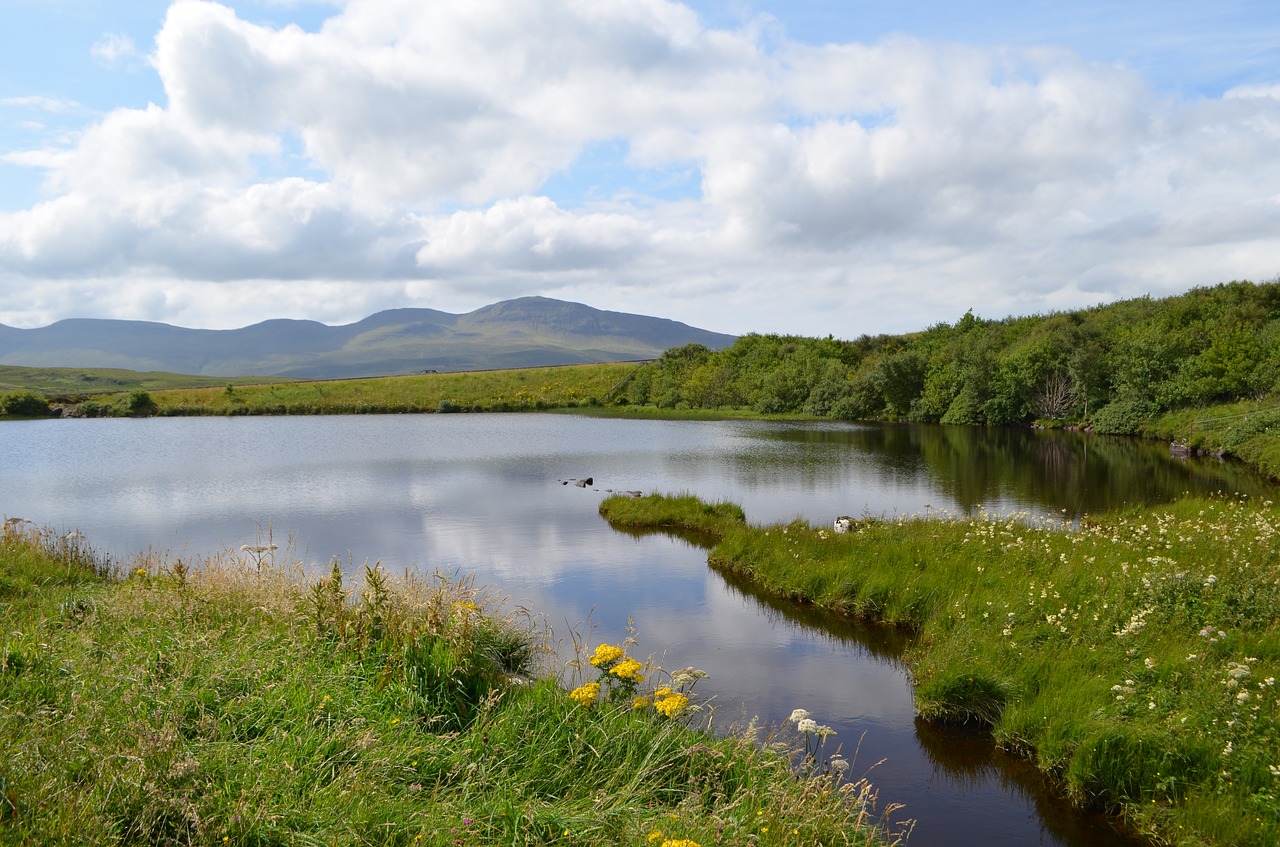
[(792, 166)]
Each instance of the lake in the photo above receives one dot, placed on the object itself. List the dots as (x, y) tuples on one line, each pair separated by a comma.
[(487, 495)]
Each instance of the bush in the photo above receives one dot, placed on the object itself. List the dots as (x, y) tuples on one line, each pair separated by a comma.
[(1122, 417), (139, 404), (27, 404)]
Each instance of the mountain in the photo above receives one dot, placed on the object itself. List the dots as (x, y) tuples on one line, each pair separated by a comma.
[(526, 332)]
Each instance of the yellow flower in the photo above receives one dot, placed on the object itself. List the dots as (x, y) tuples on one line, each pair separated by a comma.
[(680, 842), (662, 692), (626, 669), (606, 654), (640, 702), (655, 835), (586, 694), (672, 704)]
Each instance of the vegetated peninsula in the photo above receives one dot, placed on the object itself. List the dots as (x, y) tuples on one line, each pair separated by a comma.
[(1133, 658)]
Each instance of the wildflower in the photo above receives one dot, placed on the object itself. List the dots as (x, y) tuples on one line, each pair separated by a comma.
[(798, 715), (606, 654), (839, 764), (680, 842), (585, 694), (655, 835), (807, 725), (1275, 770), (671, 705), (640, 702), (140, 572), (688, 676), (626, 669)]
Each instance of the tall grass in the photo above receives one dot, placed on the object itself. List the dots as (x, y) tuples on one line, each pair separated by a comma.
[(237, 701), (523, 389), (1133, 658)]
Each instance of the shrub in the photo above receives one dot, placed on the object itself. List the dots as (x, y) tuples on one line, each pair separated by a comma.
[(23, 403), (138, 403), (1122, 417)]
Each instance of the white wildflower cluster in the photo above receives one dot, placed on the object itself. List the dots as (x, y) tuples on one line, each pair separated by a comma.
[(1212, 634), (1122, 691), (1136, 622), (1237, 673)]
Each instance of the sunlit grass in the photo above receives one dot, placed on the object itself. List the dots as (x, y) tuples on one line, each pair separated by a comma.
[(236, 700), (1134, 658), (523, 389)]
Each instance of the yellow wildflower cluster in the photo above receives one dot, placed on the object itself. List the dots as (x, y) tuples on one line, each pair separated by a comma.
[(606, 654), (680, 842), (586, 694), (627, 669), (668, 702)]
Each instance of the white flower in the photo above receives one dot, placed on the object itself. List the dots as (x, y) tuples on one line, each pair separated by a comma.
[(798, 715), (807, 725), (839, 765)]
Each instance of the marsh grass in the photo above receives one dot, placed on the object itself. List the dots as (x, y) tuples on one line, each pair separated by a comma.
[(1134, 658), (240, 700), (516, 390)]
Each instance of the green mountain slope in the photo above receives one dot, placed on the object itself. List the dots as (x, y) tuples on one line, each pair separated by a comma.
[(527, 332)]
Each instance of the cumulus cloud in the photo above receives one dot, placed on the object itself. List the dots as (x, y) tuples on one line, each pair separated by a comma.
[(418, 139)]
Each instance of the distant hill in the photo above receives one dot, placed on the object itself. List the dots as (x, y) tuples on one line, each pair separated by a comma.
[(526, 332)]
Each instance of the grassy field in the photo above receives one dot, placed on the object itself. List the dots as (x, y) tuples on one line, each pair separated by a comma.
[(524, 389), (236, 701), (1134, 658), (86, 382)]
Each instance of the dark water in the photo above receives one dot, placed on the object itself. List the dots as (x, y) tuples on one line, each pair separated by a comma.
[(483, 495)]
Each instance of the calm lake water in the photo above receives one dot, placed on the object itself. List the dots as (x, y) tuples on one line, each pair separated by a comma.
[(482, 494)]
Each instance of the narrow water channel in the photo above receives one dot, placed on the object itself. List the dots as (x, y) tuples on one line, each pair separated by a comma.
[(489, 495)]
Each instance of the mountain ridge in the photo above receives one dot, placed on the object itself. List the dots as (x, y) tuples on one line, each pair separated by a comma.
[(523, 332)]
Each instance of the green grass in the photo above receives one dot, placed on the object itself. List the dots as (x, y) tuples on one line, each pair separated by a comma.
[(235, 700), (1248, 430), (525, 389), (1133, 659), (85, 382)]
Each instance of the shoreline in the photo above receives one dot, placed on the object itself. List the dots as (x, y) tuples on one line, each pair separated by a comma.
[(1084, 651)]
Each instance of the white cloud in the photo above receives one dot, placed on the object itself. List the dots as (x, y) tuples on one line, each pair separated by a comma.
[(833, 179), (115, 49)]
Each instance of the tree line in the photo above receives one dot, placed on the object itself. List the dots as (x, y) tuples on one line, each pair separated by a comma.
[(1110, 366)]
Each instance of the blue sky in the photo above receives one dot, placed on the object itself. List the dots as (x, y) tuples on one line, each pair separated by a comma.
[(812, 166)]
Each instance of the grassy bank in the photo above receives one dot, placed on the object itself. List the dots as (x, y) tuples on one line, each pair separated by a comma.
[(78, 383), (1134, 659), (525, 389), (236, 702), (1248, 431)]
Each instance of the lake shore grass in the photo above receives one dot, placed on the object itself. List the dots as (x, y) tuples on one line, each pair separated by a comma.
[(1134, 658), (237, 701), (516, 390)]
